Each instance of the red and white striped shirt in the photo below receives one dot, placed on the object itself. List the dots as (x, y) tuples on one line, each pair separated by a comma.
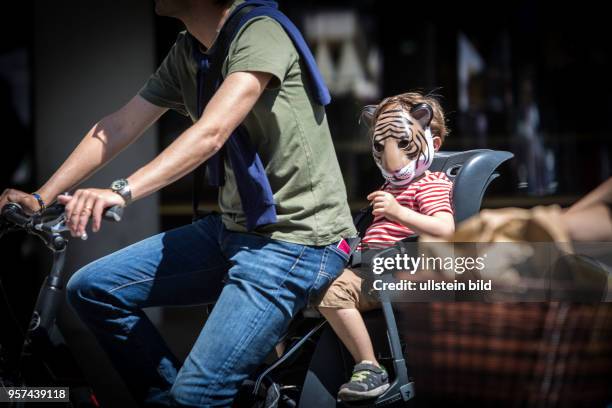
[(428, 195)]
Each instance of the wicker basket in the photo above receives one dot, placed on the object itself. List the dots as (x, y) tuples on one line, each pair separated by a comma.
[(553, 354)]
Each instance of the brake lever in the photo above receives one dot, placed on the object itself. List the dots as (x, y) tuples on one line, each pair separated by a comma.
[(58, 225)]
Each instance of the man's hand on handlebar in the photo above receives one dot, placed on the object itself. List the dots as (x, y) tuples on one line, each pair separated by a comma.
[(25, 200), (85, 204)]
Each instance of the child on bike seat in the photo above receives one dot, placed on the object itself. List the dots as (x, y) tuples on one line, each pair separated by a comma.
[(406, 130)]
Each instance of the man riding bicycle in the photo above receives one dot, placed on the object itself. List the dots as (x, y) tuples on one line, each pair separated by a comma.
[(272, 249)]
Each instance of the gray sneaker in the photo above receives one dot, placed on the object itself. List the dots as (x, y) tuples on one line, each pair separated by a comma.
[(367, 381)]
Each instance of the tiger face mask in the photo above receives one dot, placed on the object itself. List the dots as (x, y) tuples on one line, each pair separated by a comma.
[(402, 143)]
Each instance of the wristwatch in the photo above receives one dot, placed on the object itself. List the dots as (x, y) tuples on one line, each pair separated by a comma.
[(122, 188)]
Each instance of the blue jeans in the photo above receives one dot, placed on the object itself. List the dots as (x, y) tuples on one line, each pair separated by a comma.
[(258, 284)]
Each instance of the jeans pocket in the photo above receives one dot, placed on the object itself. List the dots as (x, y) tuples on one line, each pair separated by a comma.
[(333, 262), (340, 252)]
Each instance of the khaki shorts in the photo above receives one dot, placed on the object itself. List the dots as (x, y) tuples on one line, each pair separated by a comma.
[(349, 291)]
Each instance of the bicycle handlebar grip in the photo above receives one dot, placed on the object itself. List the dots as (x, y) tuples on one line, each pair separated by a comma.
[(115, 213), (13, 213)]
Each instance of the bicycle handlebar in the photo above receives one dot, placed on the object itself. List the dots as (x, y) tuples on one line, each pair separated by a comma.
[(114, 213), (13, 214), (52, 220)]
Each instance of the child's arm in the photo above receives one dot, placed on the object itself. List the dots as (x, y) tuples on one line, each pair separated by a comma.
[(439, 224)]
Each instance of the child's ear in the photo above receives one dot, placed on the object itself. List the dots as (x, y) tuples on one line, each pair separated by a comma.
[(437, 142), (367, 116), (422, 113)]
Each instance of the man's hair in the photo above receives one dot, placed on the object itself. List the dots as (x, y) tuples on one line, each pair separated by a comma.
[(408, 100), (223, 2)]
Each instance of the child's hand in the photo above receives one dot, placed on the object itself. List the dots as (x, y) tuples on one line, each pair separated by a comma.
[(385, 204)]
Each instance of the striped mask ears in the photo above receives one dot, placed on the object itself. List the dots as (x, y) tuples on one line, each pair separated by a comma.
[(367, 116), (422, 113)]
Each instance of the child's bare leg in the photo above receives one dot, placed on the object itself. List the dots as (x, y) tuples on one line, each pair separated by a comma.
[(339, 306), (349, 326)]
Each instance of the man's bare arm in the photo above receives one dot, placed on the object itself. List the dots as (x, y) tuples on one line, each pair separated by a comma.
[(103, 142), (226, 110)]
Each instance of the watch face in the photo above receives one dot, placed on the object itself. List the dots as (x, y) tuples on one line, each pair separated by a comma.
[(118, 185)]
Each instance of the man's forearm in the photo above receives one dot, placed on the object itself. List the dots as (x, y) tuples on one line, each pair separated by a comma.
[(97, 148), (226, 110), (104, 141), (190, 149)]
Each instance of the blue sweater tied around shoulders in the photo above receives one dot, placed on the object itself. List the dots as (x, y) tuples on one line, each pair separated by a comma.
[(253, 185)]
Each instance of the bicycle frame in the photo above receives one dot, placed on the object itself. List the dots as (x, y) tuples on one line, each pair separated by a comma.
[(41, 340)]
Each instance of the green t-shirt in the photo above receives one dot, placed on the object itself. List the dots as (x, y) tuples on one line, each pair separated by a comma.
[(287, 127)]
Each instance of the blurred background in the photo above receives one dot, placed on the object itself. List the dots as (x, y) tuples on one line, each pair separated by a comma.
[(524, 76), (530, 77)]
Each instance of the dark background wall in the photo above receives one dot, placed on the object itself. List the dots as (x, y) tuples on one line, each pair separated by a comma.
[(85, 59)]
